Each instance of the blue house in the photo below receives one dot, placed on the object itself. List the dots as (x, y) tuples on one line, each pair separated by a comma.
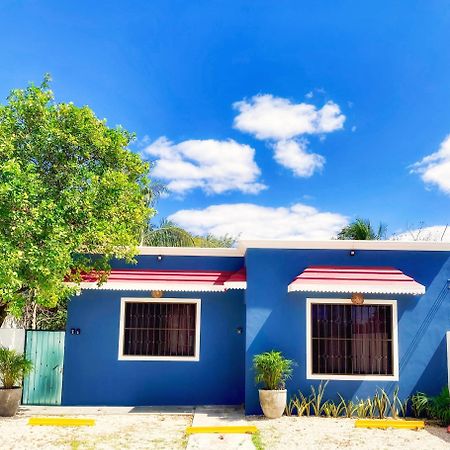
[(182, 326)]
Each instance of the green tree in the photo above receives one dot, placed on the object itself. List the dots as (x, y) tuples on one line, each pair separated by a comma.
[(362, 230), (214, 241), (169, 234), (69, 186)]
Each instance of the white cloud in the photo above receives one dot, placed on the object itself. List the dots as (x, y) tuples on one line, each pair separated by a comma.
[(433, 233), (250, 221), (211, 165), (435, 168), (269, 117), (285, 124), (293, 155)]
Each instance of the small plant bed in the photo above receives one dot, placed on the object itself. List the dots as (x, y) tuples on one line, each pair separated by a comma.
[(380, 406)]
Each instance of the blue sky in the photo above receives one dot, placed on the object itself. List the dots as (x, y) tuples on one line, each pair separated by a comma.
[(309, 113)]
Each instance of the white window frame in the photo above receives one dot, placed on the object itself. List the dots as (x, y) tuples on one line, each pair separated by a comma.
[(346, 301), (195, 301)]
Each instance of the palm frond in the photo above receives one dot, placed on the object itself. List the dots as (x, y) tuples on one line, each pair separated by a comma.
[(362, 230)]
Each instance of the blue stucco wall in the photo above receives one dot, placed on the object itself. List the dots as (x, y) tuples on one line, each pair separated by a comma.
[(272, 319), (93, 375), (276, 319)]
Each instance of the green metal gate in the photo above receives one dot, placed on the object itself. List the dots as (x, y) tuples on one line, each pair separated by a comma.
[(44, 384)]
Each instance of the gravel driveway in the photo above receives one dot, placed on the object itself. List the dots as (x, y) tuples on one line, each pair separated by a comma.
[(313, 433), (130, 431)]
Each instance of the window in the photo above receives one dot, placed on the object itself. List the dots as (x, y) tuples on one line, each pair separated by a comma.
[(159, 329), (347, 341)]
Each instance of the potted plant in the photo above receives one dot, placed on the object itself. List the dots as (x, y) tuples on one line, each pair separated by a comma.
[(272, 370), (13, 366)]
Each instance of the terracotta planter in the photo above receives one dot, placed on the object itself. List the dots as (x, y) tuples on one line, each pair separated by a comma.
[(9, 401), (273, 403)]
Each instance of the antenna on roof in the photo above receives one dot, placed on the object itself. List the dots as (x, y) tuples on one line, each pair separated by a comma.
[(445, 229)]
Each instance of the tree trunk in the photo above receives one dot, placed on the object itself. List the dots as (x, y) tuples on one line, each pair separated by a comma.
[(33, 324), (3, 313)]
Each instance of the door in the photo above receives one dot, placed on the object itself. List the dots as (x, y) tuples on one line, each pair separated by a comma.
[(43, 385)]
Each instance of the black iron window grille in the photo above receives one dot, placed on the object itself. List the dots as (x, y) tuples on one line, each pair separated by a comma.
[(351, 339), (159, 329)]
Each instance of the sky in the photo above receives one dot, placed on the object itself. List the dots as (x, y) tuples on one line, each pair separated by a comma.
[(265, 119)]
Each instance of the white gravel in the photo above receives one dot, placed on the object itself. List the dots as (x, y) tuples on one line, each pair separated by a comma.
[(167, 431), (109, 432), (319, 433)]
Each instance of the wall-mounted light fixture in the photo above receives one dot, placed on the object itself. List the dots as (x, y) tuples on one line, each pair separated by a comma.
[(357, 298), (159, 257), (352, 253)]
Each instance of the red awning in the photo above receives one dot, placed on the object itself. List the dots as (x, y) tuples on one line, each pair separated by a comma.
[(238, 280), (364, 280), (168, 280)]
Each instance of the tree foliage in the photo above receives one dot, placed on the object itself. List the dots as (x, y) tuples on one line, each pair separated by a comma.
[(169, 234), (214, 241), (69, 186), (362, 230)]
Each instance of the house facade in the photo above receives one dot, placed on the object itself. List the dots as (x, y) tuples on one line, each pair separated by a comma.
[(182, 326)]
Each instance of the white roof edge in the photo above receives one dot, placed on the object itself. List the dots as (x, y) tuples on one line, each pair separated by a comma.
[(345, 245), (190, 251), (153, 286), (243, 245), (235, 284)]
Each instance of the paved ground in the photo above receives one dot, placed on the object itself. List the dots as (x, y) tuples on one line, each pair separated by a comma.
[(219, 416)]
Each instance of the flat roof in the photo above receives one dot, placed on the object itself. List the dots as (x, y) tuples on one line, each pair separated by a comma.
[(190, 251), (242, 246), (336, 244)]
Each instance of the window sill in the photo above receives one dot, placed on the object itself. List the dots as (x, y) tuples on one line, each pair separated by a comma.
[(160, 358), (352, 377)]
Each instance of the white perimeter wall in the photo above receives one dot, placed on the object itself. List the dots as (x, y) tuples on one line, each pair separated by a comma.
[(448, 359), (13, 338)]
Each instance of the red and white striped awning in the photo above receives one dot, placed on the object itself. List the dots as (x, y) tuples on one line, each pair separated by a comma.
[(238, 280), (167, 280), (364, 280)]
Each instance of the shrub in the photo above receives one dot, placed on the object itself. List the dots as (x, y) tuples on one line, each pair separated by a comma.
[(332, 409), (13, 367), (382, 403), (317, 397), (437, 407), (348, 408), (272, 370), (419, 404), (299, 404)]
